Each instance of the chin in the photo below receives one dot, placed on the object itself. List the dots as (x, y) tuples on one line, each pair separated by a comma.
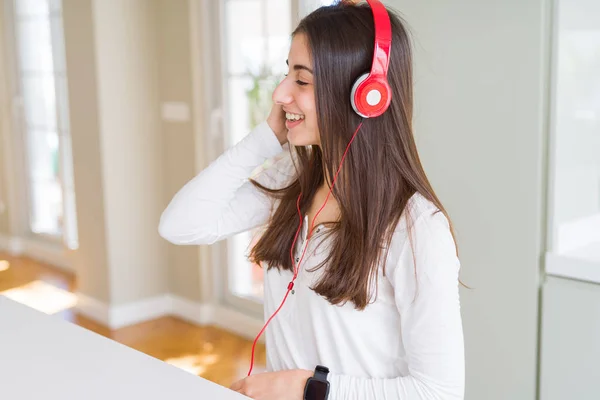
[(301, 138)]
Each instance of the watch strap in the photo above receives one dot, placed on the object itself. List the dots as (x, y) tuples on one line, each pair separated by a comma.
[(321, 373)]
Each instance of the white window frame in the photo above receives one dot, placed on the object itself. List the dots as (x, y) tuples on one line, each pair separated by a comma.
[(249, 306), (49, 246), (210, 96)]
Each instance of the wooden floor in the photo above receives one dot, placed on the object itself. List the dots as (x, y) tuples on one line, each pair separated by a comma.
[(208, 351)]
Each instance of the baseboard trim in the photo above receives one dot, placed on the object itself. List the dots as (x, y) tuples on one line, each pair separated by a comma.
[(93, 309), (4, 243), (49, 253), (145, 310), (11, 245), (123, 315), (237, 322), (197, 313), (139, 311), (53, 254)]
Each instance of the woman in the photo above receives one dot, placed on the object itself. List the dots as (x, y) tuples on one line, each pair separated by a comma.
[(363, 255)]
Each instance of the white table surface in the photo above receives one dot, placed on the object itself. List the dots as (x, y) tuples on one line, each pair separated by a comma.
[(45, 357)]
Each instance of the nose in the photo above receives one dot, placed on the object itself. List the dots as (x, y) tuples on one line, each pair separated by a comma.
[(282, 94)]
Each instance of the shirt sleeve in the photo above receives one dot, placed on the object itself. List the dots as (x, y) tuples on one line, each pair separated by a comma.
[(221, 201), (427, 299)]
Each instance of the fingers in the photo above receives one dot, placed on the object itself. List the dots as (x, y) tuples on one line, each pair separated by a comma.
[(236, 386)]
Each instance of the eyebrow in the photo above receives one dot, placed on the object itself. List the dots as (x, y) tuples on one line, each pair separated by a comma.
[(298, 67)]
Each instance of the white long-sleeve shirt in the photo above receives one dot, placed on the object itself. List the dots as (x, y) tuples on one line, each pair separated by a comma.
[(399, 347)]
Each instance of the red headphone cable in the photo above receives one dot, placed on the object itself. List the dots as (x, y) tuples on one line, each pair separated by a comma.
[(297, 266)]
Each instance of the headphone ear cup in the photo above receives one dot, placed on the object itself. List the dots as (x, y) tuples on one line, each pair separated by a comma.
[(370, 96), (354, 99)]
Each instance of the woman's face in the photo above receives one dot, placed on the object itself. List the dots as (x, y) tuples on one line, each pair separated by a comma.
[(296, 93)]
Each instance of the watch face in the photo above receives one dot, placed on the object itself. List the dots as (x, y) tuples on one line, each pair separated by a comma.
[(316, 390)]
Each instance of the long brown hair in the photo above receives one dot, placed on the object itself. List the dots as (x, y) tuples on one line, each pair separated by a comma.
[(381, 171)]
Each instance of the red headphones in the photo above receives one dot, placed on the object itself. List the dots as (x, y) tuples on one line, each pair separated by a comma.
[(371, 96)]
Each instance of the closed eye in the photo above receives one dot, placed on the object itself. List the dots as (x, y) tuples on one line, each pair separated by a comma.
[(299, 82)]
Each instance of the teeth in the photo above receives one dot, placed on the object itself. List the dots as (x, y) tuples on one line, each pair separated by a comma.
[(294, 117)]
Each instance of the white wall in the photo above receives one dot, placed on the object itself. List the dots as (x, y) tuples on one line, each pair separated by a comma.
[(481, 71)]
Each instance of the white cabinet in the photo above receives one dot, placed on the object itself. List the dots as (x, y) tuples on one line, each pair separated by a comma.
[(574, 195), (570, 342), (570, 312)]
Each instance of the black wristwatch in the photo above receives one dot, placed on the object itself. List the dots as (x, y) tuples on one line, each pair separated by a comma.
[(317, 387)]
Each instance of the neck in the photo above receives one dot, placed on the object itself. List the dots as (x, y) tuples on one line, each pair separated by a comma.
[(326, 185), (326, 182)]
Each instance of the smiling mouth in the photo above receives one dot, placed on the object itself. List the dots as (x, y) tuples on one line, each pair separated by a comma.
[(293, 117), (290, 124)]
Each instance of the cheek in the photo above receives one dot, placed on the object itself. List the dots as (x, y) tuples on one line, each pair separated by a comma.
[(315, 127), (312, 123), (307, 103), (311, 114)]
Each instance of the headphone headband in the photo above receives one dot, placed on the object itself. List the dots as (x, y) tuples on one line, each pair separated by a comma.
[(383, 38), (371, 94)]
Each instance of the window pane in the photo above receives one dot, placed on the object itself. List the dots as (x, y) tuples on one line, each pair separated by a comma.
[(279, 29), (34, 44), (43, 155), (46, 207), (44, 182), (245, 278), (257, 44), (31, 7), (249, 104), (239, 109), (246, 45), (56, 6), (279, 17), (58, 43), (39, 100), (43, 90)]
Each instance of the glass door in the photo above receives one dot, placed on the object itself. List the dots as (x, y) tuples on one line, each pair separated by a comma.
[(43, 119), (254, 37), (255, 42)]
